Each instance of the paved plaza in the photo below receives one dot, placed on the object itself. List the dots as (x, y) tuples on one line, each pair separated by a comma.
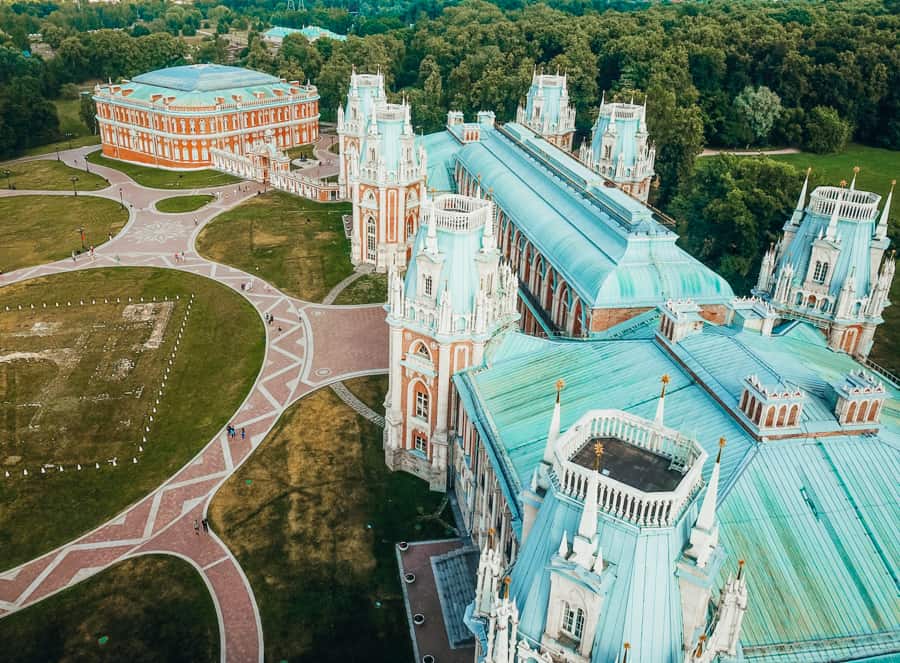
[(307, 346)]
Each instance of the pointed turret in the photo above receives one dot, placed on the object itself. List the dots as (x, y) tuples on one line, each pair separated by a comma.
[(847, 295), (661, 403), (882, 229), (564, 545), (831, 231), (705, 532), (797, 216), (585, 546), (553, 432)]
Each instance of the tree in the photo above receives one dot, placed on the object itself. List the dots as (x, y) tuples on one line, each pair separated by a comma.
[(758, 109), (87, 111), (731, 209), (825, 131)]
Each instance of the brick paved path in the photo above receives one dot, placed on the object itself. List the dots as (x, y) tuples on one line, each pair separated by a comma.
[(317, 345)]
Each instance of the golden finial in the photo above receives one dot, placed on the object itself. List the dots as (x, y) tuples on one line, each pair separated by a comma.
[(740, 569), (598, 452), (808, 170), (721, 446), (893, 184), (843, 183), (699, 651), (560, 385), (506, 581), (490, 537), (665, 381), (626, 647)]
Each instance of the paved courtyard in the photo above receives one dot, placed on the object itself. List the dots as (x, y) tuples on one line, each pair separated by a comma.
[(307, 346)]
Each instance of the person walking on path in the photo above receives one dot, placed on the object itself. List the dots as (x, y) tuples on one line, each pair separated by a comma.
[(243, 433), (205, 525), (73, 257), (196, 527)]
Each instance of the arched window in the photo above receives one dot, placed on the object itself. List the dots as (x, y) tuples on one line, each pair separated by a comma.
[(428, 286), (370, 240), (820, 271), (422, 350), (422, 404), (573, 622)]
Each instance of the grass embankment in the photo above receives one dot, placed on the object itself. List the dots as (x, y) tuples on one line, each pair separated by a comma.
[(153, 608), (68, 111), (877, 166), (85, 393), (301, 151), (40, 229), (313, 517), (181, 204), (49, 175), (295, 244), (156, 178), (368, 289)]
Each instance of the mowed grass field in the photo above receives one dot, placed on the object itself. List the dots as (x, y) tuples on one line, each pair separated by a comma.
[(181, 204), (313, 517), (49, 175), (78, 385), (40, 229), (157, 178), (147, 609), (877, 167), (295, 244)]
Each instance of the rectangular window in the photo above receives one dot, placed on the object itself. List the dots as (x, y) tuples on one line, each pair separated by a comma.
[(421, 443), (422, 405), (573, 622), (428, 286)]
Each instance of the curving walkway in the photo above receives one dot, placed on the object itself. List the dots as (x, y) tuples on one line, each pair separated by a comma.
[(307, 346)]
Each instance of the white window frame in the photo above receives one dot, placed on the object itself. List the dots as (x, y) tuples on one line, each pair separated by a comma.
[(422, 403), (420, 443), (573, 622)]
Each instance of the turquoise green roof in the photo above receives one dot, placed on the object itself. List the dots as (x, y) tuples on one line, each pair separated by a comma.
[(626, 142), (815, 517), (202, 85), (552, 101), (311, 32), (608, 246)]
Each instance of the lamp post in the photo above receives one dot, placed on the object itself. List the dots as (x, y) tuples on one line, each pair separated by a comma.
[(74, 186), (81, 234), (69, 138), (7, 173), (121, 198)]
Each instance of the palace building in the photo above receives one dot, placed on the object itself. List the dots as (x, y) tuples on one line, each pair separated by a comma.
[(382, 172), (547, 111), (173, 118), (830, 266), (620, 147), (658, 470)]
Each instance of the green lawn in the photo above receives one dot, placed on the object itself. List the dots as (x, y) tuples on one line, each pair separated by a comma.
[(295, 244), (157, 178), (86, 392), (39, 229), (68, 111), (886, 350), (48, 175), (367, 289), (179, 204), (153, 608), (877, 167), (313, 517), (301, 151), (78, 141)]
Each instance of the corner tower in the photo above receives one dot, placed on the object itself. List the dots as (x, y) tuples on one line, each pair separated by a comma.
[(620, 147), (381, 172), (547, 111), (455, 298), (831, 266)]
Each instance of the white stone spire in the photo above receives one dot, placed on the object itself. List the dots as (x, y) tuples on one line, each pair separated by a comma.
[(732, 607), (831, 231), (882, 228), (488, 241), (661, 403), (585, 546), (553, 432), (488, 578), (503, 631), (847, 295), (564, 545), (797, 216), (705, 532), (853, 181)]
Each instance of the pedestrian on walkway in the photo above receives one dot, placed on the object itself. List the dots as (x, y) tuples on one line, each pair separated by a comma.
[(182, 256), (73, 257), (205, 525), (196, 527), (243, 433), (92, 253)]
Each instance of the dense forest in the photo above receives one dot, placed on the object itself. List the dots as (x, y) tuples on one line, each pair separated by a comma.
[(719, 73)]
